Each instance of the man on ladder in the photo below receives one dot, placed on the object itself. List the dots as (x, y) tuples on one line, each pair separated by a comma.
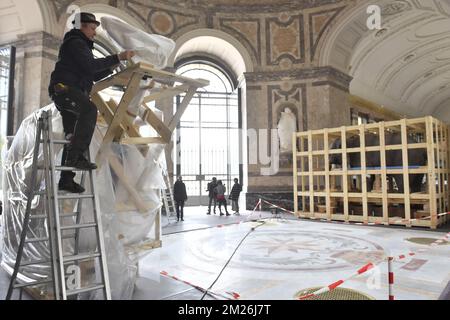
[(70, 86)]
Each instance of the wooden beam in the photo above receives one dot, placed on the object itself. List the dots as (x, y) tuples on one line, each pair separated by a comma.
[(295, 171), (181, 108), (151, 118), (120, 78), (167, 77), (104, 108), (117, 167), (142, 140), (112, 132), (165, 93)]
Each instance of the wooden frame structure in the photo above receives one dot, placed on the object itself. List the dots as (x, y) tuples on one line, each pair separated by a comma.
[(342, 194), (121, 129)]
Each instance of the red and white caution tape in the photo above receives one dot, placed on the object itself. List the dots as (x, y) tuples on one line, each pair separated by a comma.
[(338, 283), (234, 295), (391, 278)]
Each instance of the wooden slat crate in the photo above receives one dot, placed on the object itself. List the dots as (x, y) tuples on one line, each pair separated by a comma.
[(387, 154)]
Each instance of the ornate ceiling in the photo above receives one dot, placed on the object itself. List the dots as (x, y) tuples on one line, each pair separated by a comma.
[(406, 65)]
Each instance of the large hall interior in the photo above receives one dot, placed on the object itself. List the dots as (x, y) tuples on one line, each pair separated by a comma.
[(240, 150)]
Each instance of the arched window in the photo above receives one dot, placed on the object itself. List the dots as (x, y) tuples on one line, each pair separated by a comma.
[(208, 133)]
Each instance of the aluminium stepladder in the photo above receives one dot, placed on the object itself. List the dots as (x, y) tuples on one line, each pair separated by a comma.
[(54, 241), (168, 200)]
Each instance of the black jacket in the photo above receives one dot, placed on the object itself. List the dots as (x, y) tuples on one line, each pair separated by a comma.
[(179, 191), (236, 191), (76, 65), (211, 189)]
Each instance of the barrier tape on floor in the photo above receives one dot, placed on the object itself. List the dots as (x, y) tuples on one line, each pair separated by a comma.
[(370, 265), (391, 278), (336, 284), (234, 295)]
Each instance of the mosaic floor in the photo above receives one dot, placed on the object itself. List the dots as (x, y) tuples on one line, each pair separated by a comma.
[(283, 257), (280, 259)]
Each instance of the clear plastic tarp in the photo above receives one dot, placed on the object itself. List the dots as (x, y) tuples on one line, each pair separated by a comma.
[(150, 48), (128, 228)]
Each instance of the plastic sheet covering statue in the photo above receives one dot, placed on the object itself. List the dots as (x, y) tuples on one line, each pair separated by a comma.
[(151, 48), (286, 127), (126, 229)]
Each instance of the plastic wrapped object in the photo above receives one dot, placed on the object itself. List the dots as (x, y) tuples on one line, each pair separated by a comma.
[(150, 48), (127, 231)]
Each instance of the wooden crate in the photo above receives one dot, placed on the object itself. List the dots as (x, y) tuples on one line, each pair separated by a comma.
[(318, 186)]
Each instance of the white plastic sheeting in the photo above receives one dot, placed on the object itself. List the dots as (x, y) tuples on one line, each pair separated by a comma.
[(150, 48), (127, 231)]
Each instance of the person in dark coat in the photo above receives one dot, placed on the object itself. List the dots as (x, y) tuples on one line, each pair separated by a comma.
[(179, 196), (211, 188), (70, 86), (234, 196)]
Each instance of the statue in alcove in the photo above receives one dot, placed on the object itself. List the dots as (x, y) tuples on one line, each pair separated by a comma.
[(287, 125)]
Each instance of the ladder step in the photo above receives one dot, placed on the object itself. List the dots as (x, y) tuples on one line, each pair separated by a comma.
[(33, 262), (79, 226), (31, 284), (64, 168), (58, 141), (68, 215), (75, 196), (80, 257), (86, 289), (38, 216), (33, 240)]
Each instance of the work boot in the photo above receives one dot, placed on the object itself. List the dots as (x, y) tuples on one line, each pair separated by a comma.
[(70, 186), (81, 163)]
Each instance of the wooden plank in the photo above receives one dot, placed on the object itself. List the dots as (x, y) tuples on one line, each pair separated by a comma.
[(113, 133), (345, 171), (126, 125), (302, 161), (117, 167), (164, 76), (327, 175), (151, 118), (142, 140), (103, 108), (181, 108), (295, 171), (384, 185), (362, 137), (120, 78), (165, 93), (438, 154), (431, 172), (406, 191), (311, 176)]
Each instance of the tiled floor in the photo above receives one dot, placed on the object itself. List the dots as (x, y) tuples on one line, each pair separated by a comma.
[(281, 257)]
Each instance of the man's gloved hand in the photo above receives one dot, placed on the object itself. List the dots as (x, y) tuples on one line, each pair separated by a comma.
[(126, 55)]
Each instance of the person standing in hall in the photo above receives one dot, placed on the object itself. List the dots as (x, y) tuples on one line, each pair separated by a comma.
[(180, 197), (211, 188), (220, 195), (234, 196)]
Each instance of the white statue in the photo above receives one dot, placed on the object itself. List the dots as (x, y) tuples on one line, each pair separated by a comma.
[(286, 127)]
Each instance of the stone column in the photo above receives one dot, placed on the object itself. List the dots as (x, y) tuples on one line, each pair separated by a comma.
[(36, 56)]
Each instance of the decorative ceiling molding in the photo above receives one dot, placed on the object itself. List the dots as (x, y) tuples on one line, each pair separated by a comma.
[(246, 30), (318, 24)]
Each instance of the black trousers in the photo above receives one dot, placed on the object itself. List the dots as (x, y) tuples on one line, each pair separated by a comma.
[(179, 206), (79, 116), (211, 199)]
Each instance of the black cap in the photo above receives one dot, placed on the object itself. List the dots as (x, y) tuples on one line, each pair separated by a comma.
[(86, 17)]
